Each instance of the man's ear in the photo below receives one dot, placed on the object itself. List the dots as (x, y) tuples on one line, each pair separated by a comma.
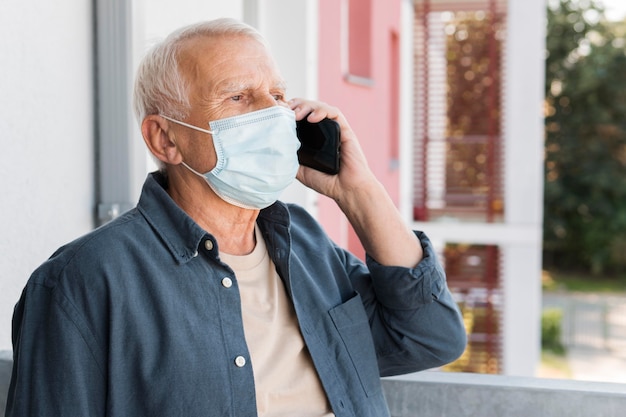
[(160, 139)]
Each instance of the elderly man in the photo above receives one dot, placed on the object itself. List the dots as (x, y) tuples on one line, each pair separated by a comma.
[(211, 298)]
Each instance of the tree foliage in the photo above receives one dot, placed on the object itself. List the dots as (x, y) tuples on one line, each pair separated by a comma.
[(585, 152)]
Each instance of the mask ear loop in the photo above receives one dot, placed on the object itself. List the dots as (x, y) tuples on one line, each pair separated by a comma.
[(216, 145), (210, 132)]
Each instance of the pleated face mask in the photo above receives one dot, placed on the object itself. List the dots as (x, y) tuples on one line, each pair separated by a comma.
[(256, 156)]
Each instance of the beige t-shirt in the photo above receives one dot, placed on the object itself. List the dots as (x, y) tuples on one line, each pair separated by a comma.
[(286, 381)]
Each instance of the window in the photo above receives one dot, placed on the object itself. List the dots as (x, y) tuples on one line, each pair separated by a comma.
[(458, 141), (359, 42), (474, 278)]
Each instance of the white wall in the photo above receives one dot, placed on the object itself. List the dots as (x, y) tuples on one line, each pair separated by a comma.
[(160, 17), (46, 135), (524, 133)]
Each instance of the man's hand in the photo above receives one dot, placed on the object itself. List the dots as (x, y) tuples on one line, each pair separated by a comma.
[(358, 193), (354, 172)]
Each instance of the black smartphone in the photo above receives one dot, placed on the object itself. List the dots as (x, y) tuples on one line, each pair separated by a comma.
[(320, 145)]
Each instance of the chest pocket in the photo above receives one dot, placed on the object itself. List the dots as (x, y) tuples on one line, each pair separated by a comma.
[(353, 327)]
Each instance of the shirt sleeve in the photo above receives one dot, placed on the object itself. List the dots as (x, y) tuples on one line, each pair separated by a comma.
[(415, 322), (56, 371)]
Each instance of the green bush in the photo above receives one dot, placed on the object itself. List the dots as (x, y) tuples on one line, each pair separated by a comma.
[(551, 319)]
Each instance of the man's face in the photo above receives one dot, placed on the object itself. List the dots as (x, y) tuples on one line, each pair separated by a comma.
[(228, 76)]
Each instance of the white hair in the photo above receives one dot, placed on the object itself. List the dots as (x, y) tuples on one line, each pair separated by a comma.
[(160, 87)]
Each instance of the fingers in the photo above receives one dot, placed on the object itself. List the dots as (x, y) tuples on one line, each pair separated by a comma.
[(314, 111)]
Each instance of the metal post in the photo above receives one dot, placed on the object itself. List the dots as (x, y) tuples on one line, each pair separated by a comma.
[(120, 157)]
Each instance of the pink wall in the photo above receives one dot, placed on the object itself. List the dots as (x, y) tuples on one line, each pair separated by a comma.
[(371, 110)]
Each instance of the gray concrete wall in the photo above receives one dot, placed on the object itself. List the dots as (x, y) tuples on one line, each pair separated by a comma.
[(439, 394)]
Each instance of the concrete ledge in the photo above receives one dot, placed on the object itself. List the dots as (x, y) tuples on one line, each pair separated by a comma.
[(443, 394), (6, 363)]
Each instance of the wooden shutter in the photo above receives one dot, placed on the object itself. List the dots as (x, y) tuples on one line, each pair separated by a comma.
[(473, 273), (458, 141)]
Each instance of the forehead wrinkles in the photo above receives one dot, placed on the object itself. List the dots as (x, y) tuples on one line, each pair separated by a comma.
[(212, 68)]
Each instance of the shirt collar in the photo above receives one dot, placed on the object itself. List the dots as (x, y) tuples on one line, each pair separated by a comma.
[(180, 233)]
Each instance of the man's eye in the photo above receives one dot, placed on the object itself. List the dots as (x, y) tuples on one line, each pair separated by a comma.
[(236, 98), (279, 97)]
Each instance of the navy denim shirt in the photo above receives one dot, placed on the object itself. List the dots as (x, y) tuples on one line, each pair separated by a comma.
[(137, 319)]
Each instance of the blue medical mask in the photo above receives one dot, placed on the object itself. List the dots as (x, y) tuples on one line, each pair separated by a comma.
[(256, 156)]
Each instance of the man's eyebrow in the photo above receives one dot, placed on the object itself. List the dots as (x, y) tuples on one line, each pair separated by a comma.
[(229, 87), (232, 87), (280, 85)]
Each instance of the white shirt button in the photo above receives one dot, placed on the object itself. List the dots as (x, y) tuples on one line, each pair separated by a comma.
[(227, 282), (208, 244), (240, 361)]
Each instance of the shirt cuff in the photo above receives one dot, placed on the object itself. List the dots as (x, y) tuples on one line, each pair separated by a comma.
[(409, 288)]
